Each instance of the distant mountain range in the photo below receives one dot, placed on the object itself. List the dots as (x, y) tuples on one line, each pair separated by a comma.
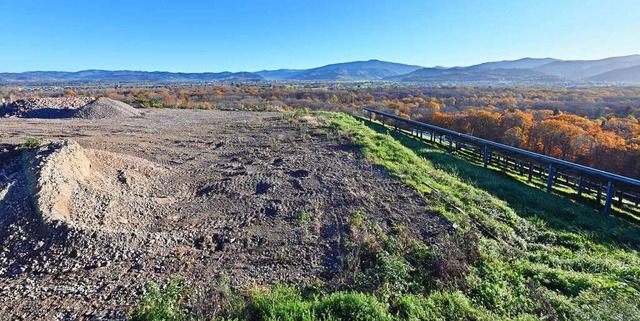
[(123, 76), (534, 70), (522, 71)]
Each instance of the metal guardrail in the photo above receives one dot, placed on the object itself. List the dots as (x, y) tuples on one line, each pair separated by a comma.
[(612, 180)]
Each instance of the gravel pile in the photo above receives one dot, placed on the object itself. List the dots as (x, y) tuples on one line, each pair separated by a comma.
[(106, 108), (45, 107)]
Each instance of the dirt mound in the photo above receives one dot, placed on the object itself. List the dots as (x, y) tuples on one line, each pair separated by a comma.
[(60, 174), (50, 107), (107, 108), (74, 190)]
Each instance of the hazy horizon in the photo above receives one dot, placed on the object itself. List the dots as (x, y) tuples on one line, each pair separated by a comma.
[(203, 36), (283, 68)]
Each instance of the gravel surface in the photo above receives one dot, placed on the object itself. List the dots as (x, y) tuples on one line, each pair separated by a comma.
[(108, 204)]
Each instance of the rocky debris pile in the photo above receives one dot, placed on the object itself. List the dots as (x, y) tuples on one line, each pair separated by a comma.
[(106, 108), (67, 107), (41, 107), (62, 189), (72, 185)]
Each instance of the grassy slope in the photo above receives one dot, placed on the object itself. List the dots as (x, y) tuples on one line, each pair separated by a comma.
[(540, 256)]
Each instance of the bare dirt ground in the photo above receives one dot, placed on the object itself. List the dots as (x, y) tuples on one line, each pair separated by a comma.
[(87, 220)]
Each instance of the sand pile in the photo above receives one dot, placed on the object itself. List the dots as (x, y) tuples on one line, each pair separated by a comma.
[(106, 108)]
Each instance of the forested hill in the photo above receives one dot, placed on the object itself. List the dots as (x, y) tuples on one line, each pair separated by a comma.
[(357, 70)]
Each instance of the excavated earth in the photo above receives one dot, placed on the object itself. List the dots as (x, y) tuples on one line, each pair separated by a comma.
[(105, 206)]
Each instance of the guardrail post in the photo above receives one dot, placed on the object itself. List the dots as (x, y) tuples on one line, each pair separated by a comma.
[(520, 167), (541, 172), (620, 198), (450, 143), (485, 156), (370, 115), (580, 186), (599, 195), (607, 202), (530, 171), (550, 178)]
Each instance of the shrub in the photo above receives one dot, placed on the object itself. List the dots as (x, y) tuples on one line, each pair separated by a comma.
[(162, 305), (352, 306), (32, 143)]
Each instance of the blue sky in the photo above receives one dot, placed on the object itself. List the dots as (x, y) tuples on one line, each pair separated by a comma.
[(244, 35)]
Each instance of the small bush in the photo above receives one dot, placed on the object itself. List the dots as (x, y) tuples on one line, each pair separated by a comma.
[(280, 303), (284, 303), (32, 143), (437, 306), (301, 218), (162, 305), (352, 306)]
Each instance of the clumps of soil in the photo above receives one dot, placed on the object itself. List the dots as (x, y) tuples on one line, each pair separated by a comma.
[(106, 108)]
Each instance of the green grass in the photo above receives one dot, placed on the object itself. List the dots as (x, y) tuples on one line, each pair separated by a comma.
[(518, 253)]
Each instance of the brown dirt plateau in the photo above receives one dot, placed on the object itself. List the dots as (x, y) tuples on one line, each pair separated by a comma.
[(87, 219)]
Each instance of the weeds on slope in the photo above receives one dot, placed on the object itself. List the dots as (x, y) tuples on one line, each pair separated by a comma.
[(542, 254)]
